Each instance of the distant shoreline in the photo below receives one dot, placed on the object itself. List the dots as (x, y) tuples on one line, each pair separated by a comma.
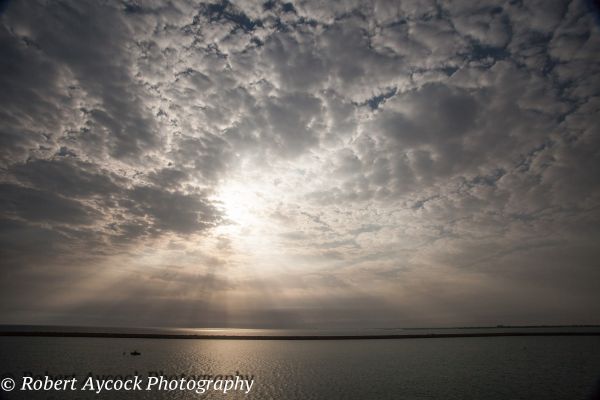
[(284, 337), (502, 327)]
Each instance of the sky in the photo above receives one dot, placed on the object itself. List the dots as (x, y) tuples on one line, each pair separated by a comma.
[(309, 164)]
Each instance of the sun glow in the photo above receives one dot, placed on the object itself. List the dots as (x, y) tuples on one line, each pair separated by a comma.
[(241, 204), (249, 229), (259, 208)]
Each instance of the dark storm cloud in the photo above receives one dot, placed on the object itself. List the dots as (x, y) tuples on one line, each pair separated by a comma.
[(171, 211), (70, 178), (40, 206), (404, 137), (75, 212)]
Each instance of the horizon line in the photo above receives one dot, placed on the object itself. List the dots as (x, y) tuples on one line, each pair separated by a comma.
[(115, 335)]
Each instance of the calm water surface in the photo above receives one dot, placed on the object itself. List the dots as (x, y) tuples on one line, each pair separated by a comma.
[(457, 368)]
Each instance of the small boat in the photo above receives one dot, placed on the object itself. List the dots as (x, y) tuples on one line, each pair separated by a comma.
[(135, 353)]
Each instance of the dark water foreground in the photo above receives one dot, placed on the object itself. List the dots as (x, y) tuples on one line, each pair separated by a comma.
[(498, 367)]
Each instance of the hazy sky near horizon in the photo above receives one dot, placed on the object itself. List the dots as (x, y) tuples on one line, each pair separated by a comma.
[(301, 164)]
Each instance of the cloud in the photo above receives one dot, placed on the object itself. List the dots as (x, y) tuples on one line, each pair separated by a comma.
[(171, 211), (70, 178), (348, 161), (39, 206)]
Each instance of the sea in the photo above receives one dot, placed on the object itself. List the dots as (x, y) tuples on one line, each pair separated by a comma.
[(494, 368)]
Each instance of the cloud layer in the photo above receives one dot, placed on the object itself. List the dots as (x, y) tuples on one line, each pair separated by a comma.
[(306, 163)]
